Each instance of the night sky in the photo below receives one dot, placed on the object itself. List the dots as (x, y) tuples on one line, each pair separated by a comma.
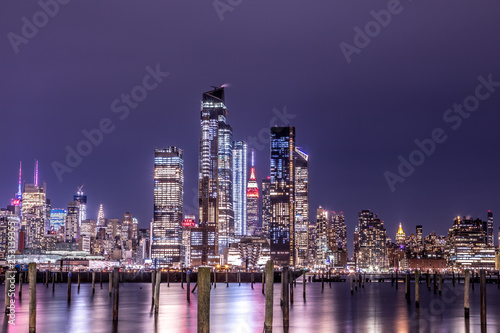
[(354, 119)]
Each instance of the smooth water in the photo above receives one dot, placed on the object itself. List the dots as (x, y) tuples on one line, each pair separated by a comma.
[(378, 307)]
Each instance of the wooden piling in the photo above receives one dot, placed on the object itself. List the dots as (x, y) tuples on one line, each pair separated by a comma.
[(204, 300), (453, 277), (466, 293), (329, 278), (215, 278), (100, 278), (32, 290), (392, 279), (239, 278), (440, 283), (182, 278), (417, 289), (322, 281), (268, 321), (286, 295), (252, 278), (157, 291), (93, 282), (69, 286), (406, 286), (304, 278), (8, 275), (352, 285), (263, 282), (53, 282), (153, 285), (428, 278), (482, 289), (227, 278), (364, 278), (20, 284), (47, 278), (290, 279), (168, 277), (188, 285), (78, 281), (110, 282), (116, 292), (435, 282), (397, 279)]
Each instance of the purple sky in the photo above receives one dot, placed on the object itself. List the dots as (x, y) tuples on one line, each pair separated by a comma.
[(353, 119)]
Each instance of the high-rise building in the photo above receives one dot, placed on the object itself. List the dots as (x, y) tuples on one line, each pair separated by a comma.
[(101, 222), (400, 236), (266, 206), (490, 239), (282, 228), (168, 205), (301, 167), (127, 227), (81, 199), (215, 193), (339, 232), (322, 233), (187, 224), (35, 218), (420, 239), (9, 232), (72, 227), (57, 218), (239, 188), (252, 202), (372, 254)]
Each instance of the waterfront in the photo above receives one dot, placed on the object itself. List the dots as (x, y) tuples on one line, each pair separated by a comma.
[(378, 307)]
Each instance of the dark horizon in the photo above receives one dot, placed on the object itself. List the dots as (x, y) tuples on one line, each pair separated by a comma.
[(353, 118)]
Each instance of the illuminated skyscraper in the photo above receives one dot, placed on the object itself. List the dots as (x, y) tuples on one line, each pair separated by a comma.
[(322, 233), (372, 254), (301, 167), (339, 232), (57, 218), (168, 205), (35, 218), (266, 206), (239, 188), (252, 202), (400, 236), (215, 193), (490, 239), (81, 199), (101, 222), (282, 229), (72, 226)]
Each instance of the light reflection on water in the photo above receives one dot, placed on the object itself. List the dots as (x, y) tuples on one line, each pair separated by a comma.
[(376, 308)]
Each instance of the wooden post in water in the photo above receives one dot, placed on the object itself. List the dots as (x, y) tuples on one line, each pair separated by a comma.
[(93, 282), (78, 281), (215, 278), (290, 278), (153, 285), (435, 282), (352, 285), (110, 282), (239, 278), (168, 277), (482, 291), (116, 292), (47, 278), (182, 278), (53, 282), (466, 293), (100, 278), (69, 286), (329, 278), (227, 278), (453, 277), (32, 289), (7, 287), (322, 281), (364, 278), (252, 278), (263, 282), (20, 284), (417, 289), (268, 321), (498, 279), (286, 295), (406, 286), (157, 291), (188, 285), (440, 283), (304, 278), (204, 300), (397, 279)]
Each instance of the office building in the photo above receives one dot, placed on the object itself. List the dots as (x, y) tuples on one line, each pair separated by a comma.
[(301, 167), (57, 218), (240, 188), (252, 202)]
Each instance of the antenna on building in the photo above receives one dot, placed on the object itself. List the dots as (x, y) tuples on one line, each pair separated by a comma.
[(80, 188), (19, 193), (36, 172), (253, 157)]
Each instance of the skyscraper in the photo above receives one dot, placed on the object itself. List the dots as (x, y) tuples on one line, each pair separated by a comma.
[(339, 232), (81, 199), (301, 167), (282, 229), (215, 193), (101, 222), (490, 239), (239, 188), (420, 239), (35, 219), (266, 206), (322, 233), (252, 202), (372, 253), (400, 236), (57, 218), (168, 205), (72, 226)]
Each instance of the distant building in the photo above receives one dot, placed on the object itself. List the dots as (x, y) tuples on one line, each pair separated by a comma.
[(72, 226), (57, 218), (322, 236), (372, 255), (252, 203), (168, 205), (338, 240), (400, 236), (266, 206), (81, 199), (240, 165), (301, 167)]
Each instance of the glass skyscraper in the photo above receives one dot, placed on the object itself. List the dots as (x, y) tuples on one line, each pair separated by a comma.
[(57, 218), (252, 192), (282, 228), (215, 188), (82, 205), (239, 188), (168, 191), (301, 162)]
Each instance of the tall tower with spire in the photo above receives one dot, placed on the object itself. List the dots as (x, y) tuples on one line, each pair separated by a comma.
[(400, 236), (252, 201), (100, 217), (34, 212)]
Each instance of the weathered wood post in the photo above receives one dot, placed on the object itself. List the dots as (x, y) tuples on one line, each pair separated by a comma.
[(93, 282), (157, 291), (290, 279), (364, 278), (168, 277), (188, 285), (100, 278), (329, 278), (397, 278), (466, 293), (215, 278), (204, 300), (498, 279), (268, 321), (440, 283), (110, 283), (417, 288), (69, 286), (153, 285), (428, 278), (453, 277), (78, 274), (352, 285), (8, 277), (482, 289), (286, 295), (20, 284), (407, 278), (304, 278), (53, 282), (239, 278), (322, 281), (32, 289), (47, 278), (252, 277), (116, 292), (263, 282), (227, 278)]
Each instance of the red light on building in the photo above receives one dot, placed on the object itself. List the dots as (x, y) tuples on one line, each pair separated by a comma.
[(252, 192), (188, 223), (15, 202)]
